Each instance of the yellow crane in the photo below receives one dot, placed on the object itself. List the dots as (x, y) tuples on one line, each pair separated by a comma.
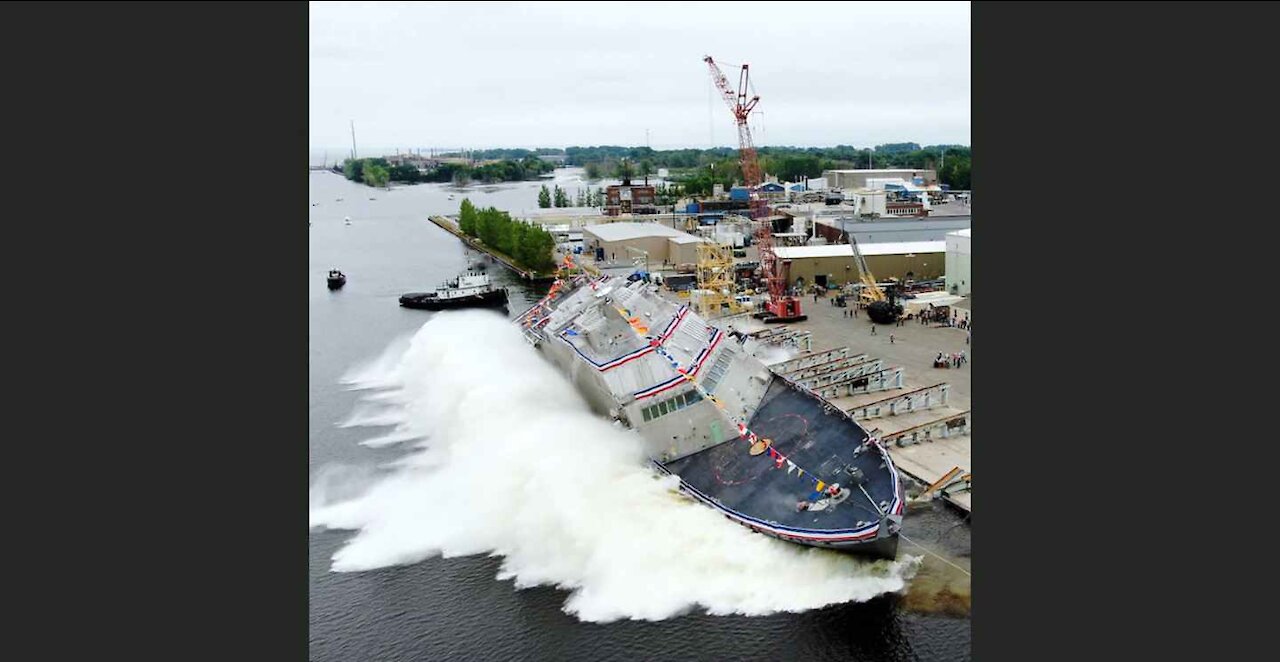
[(882, 307), (715, 280)]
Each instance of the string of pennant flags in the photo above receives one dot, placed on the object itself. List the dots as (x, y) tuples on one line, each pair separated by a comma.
[(744, 432), (534, 316), (656, 343)]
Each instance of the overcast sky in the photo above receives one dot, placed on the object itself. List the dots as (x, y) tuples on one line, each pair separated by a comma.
[(593, 73)]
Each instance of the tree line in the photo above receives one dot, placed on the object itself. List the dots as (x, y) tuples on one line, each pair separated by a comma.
[(529, 246), (663, 194), (515, 154), (700, 169), (558, 197), (377, 171)]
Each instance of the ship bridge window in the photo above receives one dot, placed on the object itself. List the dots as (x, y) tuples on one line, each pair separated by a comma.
[(671, 405)]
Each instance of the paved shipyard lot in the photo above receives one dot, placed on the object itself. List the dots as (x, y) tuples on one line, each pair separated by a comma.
[(913, 348)]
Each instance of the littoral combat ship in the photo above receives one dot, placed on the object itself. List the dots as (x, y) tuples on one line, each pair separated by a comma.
[(765, 452)]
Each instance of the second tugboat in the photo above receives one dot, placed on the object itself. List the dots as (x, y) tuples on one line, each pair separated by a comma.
[(470, 289)]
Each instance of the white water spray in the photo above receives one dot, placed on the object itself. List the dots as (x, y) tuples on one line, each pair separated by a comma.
[(770, 354), (511, 462)]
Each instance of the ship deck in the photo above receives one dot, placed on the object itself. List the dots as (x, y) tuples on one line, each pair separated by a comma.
[(817, 439)]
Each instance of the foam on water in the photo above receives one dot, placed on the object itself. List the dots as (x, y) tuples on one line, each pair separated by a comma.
[(510, 461)]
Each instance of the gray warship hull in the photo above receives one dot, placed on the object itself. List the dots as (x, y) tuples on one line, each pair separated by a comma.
[(694, 394)]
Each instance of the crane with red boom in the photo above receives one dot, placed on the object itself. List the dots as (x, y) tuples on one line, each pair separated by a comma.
[(780, 307)]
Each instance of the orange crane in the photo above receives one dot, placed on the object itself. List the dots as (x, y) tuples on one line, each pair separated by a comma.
[(780, 307)]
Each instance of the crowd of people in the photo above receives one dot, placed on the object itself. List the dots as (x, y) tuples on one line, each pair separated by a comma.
[(952, 360), (944, 317)]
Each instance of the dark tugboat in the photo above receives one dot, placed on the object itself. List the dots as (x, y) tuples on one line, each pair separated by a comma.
[(471, 289), (336, 279)]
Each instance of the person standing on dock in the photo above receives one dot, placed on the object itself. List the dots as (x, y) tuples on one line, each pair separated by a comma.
[(890, 338), (873, 328)]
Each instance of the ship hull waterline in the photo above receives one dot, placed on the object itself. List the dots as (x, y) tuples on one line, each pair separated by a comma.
[(872, 547)]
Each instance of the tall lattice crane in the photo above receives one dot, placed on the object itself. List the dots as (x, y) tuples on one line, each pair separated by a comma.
[(741, 108), (780, 307)]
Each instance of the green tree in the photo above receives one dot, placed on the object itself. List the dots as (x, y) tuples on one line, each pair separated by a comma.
[(646, 168), (592, 169), (544, 197), (667, 194), (376, 175), (897, 148), (353, 169), (955, 171), (791, 168), (561, 200), (467, 217), (624, 170)]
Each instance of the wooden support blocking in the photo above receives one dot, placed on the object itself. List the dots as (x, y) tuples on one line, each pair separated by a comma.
[(880, 380), (921, 398), (942, 428)]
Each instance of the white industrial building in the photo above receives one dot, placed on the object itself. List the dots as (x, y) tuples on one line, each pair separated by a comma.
[(854, 179), (959, 278), (922, 184)]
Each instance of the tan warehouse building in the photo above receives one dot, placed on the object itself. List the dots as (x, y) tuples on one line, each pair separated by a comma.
[(658, 241), (834, 264)]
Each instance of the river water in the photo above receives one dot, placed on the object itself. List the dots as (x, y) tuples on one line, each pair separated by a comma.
[(380, 587)]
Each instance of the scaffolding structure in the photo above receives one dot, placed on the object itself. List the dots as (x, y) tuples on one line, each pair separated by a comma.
[(715, 280)]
